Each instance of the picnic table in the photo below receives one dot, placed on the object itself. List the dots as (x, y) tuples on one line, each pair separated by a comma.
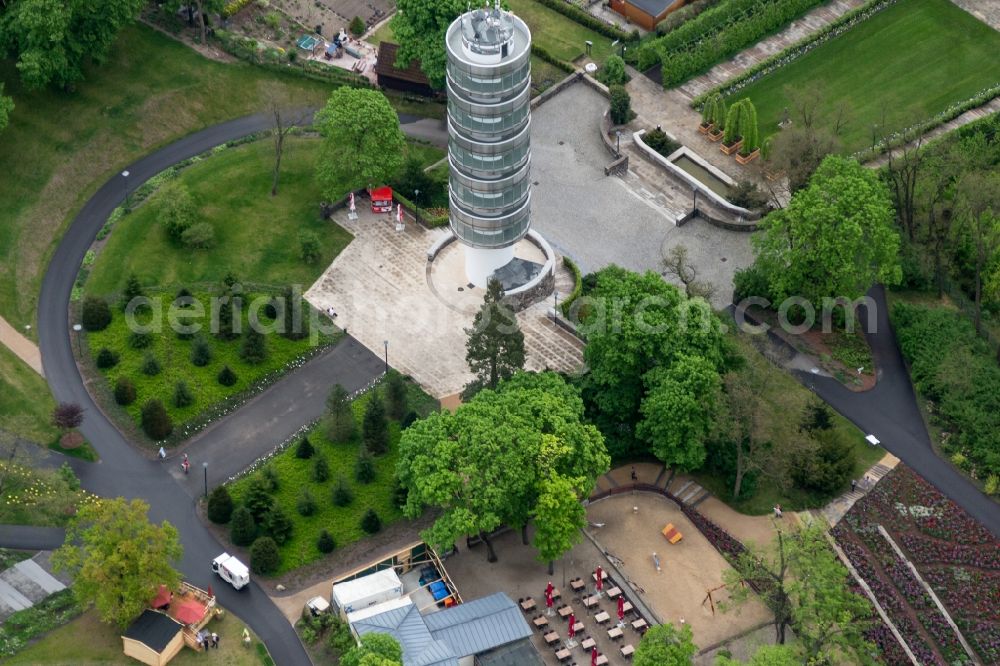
[(563, 654), (627, 650), (565, 611), (627, 606), (602, 617), (639, 624), (578, 627), (528, 604), (614, 592), (588, 643), (614, 633), (541, 621), (590, 601), (577, 584), (551, 637), (601, 660)]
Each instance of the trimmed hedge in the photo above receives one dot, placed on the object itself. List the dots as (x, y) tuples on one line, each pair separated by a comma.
[(587, 20), (956, 370), (847, 21), (716, 34), (577, 286), (427, 220), (542, 54)]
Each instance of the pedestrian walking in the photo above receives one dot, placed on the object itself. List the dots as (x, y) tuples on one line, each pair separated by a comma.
[(777, 511), (854, 484), (635, 477), (162, 454), (215, 640), (186, 464), (206, 643)]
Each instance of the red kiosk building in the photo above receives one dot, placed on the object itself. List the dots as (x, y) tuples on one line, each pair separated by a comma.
[(382, 199)]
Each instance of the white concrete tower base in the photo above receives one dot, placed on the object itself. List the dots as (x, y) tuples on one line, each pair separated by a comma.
[(480, 263)]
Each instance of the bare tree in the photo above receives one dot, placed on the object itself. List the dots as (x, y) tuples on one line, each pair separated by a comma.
[(903, 170), (676, 263), (283, 124), (741, 423)]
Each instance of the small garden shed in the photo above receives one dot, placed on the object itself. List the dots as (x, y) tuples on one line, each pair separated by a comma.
[(154, 638)]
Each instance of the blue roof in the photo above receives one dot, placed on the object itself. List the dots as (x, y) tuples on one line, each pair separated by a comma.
[(407, 626), (480, 625)]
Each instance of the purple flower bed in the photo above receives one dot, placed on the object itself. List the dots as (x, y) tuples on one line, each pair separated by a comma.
[(957, 557)]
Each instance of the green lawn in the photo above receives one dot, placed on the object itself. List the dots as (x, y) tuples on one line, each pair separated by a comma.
[(25, 400), (256, 234), (558, 34), (343, 523), (59, 147), (784, 400), (86, 640), (174, 357), (906, 64)]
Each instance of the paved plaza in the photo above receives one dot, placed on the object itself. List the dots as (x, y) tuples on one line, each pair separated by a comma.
[(379, 286), (630, 530), (598, 220)]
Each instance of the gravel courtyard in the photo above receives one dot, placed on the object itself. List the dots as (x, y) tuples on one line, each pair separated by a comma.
[(598, 220)]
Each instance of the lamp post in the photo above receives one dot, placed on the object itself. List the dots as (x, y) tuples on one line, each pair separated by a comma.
[(623, 50), (694, 206), (77, 328), (416, 204), (618, 143), (128, 208), (386, 343), (555, 308), (204, 466)]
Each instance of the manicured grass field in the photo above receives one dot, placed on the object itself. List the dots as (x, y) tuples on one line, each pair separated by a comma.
[(59, 147), (25, 400), (558, 34), (343, 523), (905, 65), (784, 400), (256, 234), (174, 357), (86, 640)]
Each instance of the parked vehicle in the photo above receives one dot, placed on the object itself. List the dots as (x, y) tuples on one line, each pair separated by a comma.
[(231, 570)]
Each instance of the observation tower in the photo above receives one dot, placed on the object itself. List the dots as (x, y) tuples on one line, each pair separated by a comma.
[(489, 95)]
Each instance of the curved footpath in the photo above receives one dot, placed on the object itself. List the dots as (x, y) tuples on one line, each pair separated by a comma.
[(890, 412), (122, 469)]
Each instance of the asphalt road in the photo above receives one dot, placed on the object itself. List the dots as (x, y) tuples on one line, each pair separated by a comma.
[(890, 412), (123, 471)]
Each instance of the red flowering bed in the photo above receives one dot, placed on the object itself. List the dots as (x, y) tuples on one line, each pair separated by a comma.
[(957, 557)]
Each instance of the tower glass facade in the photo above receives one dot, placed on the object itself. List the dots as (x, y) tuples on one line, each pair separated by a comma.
[(489, 95)]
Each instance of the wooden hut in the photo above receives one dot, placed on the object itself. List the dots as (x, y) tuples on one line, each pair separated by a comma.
[(154, 638)]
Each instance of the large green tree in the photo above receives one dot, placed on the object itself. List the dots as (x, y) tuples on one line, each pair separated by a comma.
[(806, 587), (362, 142), (559, 518), (376, 649), (491, 461), (419, 26), (767, 655), (52, 39), (665, 645), (495, 346), (637, 326), (836, 237), (117, 558)]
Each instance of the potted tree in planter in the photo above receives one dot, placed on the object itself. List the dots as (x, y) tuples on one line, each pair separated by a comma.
[(718, 120), (733, 136), (748, 128), (708, 112)]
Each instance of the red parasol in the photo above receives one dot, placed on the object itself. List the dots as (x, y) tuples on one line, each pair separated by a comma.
[(621, 608), (572, 623), (190, 612), (162, 598), (600, 579), (210, 593), (549, 588), (593, 657), (548, 598)]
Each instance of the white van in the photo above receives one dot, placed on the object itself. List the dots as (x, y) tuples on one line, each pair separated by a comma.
[(231, 570)]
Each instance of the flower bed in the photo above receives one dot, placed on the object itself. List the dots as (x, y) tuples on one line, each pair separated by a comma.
[(956, 556)]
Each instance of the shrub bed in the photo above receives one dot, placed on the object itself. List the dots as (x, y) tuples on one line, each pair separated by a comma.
[(21, 627), (288, 476), (716, 34), (955, 555), (210, 397), (577, 286), (956, 371)]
